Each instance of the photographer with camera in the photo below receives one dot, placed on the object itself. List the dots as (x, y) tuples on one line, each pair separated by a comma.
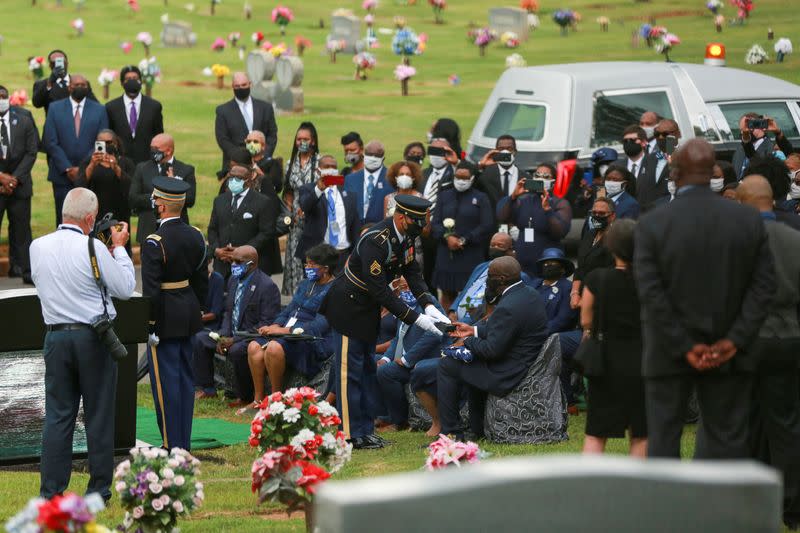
[(755, 142), (55, 87), (79, 356)]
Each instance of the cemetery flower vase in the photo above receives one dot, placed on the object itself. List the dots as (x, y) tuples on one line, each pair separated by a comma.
[(780, 57), (105, 92), (220, 82), (404, 87)]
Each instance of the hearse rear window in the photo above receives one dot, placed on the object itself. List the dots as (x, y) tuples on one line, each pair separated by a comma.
[(615, 112), (524, 121), (777, 110)]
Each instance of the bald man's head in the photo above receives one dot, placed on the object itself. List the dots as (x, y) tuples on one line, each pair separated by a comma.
[(755, 191), (507, 269), (163, 142), (693, 163), (245, 254), (501, 244)]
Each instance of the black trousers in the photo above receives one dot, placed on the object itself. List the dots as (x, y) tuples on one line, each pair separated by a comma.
[(724, 401), (19, 232), (429, 246), (775, 420), (77, 366), (451, 385), (59, 194)]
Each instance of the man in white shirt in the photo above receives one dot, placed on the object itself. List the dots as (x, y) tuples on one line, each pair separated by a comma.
[(648, 122), (635, 146), (77, 365)]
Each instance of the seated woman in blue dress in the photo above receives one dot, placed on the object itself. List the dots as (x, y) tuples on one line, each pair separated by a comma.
[(272, 355)]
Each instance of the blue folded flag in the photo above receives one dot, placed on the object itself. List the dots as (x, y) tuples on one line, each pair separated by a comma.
[(462, 353)]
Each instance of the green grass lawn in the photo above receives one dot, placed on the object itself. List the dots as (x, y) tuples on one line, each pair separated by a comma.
[(334, 101)]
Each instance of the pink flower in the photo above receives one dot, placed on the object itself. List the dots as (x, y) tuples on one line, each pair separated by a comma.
[(282, 15), (138, 512), (178, 506), (218, 44), (369, 5), (126, 47), (158, 505)]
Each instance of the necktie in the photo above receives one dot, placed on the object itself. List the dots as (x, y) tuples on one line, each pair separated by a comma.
[(633, 171), (507, 183), (434, 191), (248, 120), (133, 118), (398, 352), (235, 202), (745, 163), (333, 227), (78, 121), (237, 299), (4, 136), (370, 188)]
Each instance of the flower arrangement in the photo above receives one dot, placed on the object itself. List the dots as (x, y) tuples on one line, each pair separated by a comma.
[(403, 73), (756, 55), (481, 37), (714, 6), (219, 72), (509, 39), (190, 7), (334, 46), (156, 487), (371, 39), (453, 79), (531, 6), (68, 512), (257, 37), (301, 43), (446, 452), (405, 42), (364, 61), (279, 50), (151, 73), (515, 60), (603, 21), (133, 5), (105, 79), (666, 42), (234, 37), (300, 446), (78, 26), (533, 21), (218, 45), (369, 5), (438, 8), (282, 16), (743, 9), (146, 39), (449, 227), (564, 18), (399, 22), (719, 20), (19, 98), (783, 46), (36, 66), (423, 43)]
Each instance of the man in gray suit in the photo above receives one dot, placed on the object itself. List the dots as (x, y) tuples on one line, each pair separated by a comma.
[(776, 422)]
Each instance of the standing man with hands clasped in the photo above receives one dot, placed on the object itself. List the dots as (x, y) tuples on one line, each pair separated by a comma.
[(352, 307), (77, 364)]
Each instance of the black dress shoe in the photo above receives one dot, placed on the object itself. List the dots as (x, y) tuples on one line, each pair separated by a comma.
[(368, 442)]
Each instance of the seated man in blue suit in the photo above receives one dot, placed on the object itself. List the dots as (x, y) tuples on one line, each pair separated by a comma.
[(253, 301), (412, 357), (369, 185), (331, 214), (554, 288), (495, 355), (70, 130), (468, 305)]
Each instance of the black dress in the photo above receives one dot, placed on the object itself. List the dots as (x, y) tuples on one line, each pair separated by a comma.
[(616, 399), (591, 255), (112, 191)]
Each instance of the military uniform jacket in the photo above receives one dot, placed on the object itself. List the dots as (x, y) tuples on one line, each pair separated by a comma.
[(354, 301), (175, 278)]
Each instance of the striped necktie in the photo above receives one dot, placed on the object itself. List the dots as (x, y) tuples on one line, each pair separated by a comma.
[(333, 227)]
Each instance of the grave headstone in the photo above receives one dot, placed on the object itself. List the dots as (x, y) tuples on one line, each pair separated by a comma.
[(260, 66), (346, 28), (503, 19), (178, 35)]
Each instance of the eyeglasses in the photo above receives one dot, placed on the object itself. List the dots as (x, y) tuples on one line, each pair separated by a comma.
[(542, 175), (663, 133)]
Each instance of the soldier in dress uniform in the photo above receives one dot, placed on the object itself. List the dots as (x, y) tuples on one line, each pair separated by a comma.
[(175, 278), (353, 304)]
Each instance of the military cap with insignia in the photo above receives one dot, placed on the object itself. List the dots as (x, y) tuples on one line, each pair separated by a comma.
[(169, 189), (412, 206)]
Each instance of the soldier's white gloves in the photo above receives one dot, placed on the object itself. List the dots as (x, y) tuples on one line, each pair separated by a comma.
[(435, 314), (428, 324), (152, 340)]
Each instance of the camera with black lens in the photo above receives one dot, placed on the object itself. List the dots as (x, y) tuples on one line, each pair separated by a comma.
[(105, 332), (103, 227)]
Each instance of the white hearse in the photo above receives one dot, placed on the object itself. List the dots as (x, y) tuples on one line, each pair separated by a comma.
[(557, 111)]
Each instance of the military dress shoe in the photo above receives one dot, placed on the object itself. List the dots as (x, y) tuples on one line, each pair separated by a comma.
[(368, 442)]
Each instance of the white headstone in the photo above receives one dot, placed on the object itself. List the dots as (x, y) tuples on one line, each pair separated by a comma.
[(177, 34), (346, 28), (503, 19)]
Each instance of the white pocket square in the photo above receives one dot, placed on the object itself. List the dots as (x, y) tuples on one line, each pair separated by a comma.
[(247, 216)]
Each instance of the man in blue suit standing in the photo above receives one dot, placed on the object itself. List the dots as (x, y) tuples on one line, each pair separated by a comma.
[(70, 130), (369, 185)]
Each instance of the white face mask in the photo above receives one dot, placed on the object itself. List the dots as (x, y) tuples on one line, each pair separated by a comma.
[(462, 185), (613, 188), (404, 181), (547, 183), (794, 191), (4, 105), (328, 172), (372, 162), (437, 161), (671, 187), (717, 184), (649, 131), (506, 164)]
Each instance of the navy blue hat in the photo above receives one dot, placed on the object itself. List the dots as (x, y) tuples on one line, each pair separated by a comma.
[(413, 206), (555, 254), (604, 155), (170, 189)]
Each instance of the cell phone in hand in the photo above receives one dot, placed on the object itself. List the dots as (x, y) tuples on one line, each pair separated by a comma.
[(535, 186), (445, 328), (330, 181), (757, 123), (100, 147), (672, 143), (502, 157), (436, 150)]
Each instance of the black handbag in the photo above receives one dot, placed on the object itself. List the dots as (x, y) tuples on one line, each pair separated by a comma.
[(590, 356), (284, 222)]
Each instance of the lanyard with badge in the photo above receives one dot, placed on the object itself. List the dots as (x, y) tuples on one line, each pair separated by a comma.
[(293, 319)]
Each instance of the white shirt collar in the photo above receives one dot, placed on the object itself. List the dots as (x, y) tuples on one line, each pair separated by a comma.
[(243, 102), (511, 287), (161, 221), (65, 225), (400, 236), (171, 160), (128, 100), (632, 161), (757, 142), (76, 104)]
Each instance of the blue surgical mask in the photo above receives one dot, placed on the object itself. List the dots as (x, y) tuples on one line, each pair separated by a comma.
[(312, 273), (235, 185), (239, 269), (408, 298)]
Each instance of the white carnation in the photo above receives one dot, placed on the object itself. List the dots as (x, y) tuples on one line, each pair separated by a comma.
[(276, 408), (291, 415), (301, 438)]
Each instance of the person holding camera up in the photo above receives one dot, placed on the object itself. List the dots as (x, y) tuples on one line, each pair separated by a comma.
[(78, 363), (56, 87), (175, 278)]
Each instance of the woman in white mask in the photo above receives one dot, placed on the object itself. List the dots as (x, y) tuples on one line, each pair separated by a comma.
[(723, 175), (462, 225), (616, 181), (404, 177)]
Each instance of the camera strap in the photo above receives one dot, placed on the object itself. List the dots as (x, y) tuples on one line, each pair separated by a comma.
[(98, 276)]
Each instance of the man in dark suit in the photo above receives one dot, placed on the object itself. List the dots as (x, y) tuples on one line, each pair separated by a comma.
[(19, 142), (70, 130), (161, 162), (240, 216), (634, 144), (755, 144), (241, 115), (331, 215), (498, 179), (698, 323), (497, 352), (369, 185), (134, 117), (253, 301), (56, 87), (652, 185)]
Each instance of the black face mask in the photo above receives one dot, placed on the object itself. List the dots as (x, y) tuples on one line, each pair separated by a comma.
[(661, 142), (599, 223), (494, 290), (415, 159), (631, 147), (79, 93), (494, 253), (551, 272), (413, 230), (157, 155), (242, 93), (132, 86)]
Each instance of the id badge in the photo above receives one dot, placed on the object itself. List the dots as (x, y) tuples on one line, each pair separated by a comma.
[(528, 235), (291, 322)]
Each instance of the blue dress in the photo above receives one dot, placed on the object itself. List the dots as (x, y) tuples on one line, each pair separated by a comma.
[(474, 220)]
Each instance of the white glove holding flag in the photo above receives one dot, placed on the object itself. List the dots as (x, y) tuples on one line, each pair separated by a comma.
[(435, 314), (428, 324), (152, 340)]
